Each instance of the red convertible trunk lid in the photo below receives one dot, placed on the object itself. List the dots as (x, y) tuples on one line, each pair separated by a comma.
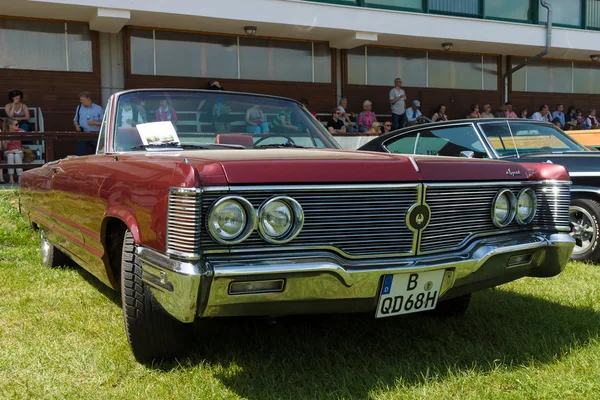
[(271, 166)]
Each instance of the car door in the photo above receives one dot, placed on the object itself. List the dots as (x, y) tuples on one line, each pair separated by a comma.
[(460, 140)]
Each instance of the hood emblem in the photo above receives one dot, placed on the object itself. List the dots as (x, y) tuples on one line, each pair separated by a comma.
[(513, 173), (417, 217)]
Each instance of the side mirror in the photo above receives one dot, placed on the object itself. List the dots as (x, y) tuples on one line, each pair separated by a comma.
[(467, 153)]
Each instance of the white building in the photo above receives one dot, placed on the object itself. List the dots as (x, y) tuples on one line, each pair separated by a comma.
[(54, 49)]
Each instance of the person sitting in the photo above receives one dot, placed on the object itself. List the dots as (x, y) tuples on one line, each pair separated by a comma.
[(366, 118), (13, 152), (130, 116), (523, 113), (165, 112), (256, 122), (592, 121), (304, 102), (543, 114), (335, 124), (283, 123), (571, 118), (375, 129), (556, 121), (346, 116), (474, 112), (440, 114), (509, 113), (413, 114), (560, 115), (17, 110), (487, 111), (387, 127), (582, 122)]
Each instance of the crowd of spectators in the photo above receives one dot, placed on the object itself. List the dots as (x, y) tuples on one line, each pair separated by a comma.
[(402, 115)]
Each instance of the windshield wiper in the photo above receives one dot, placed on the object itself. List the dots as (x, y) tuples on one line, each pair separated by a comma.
[(157, 146), (179, 146), (279, 145)]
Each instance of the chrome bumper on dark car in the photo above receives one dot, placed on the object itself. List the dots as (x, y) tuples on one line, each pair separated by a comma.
[(319, 282)]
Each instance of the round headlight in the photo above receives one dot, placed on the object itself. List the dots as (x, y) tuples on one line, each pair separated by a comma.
[(526, 206), (231, 220), (280, 219), (503, 208)]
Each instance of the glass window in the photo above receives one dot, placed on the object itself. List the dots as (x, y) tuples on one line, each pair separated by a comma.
[(508, 9), (37, 45), (586, 78), (402, 144), (519, 78), (490, 73), (80, 48), (219, 56), (549, 76), (523, 138), (198, 119), (467, 7), (410, 4), (186, 48), (450, 142), (455, 71), (593, 14), (141, 48), (322, 63), (385, 65), (565, 12), (356, 66), (275, 60)]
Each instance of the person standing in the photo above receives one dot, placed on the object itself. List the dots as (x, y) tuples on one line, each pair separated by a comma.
[(398, 101), (88, 118)]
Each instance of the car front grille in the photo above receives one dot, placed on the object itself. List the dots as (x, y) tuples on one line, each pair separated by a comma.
[(459, 213), (183, 223), (357, 221)]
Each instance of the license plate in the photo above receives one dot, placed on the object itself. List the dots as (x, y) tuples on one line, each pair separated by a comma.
[(409, 293)]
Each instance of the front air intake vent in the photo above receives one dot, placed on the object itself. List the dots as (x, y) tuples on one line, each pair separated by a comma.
[(183, 223)]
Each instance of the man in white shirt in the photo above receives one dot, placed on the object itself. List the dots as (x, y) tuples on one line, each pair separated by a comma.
[(543, 114), (344, 115), (398, 101), (413, 114)]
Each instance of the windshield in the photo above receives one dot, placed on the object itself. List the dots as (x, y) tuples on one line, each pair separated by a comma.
[(518, 139), (167, 120)]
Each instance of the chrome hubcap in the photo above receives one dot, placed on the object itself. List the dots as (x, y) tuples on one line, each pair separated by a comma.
[(45, 245), (583, 229)]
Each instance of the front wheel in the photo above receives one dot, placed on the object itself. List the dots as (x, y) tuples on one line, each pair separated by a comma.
[(152, 333), (584, 215)]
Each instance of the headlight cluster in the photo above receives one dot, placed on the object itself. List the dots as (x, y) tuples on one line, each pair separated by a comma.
[(507, 207), (232, 219)]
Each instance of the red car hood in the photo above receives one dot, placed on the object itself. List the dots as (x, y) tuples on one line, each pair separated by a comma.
[(273, 166)]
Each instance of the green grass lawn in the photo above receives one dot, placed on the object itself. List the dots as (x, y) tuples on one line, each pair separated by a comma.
[(62, 336)]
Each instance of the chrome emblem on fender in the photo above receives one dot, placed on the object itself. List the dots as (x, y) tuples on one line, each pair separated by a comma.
[(513, 173)]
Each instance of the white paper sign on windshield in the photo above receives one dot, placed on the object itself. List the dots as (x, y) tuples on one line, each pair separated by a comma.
[(157, 132)]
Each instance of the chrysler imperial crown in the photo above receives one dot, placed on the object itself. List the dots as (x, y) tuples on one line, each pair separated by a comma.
[(201, 204)]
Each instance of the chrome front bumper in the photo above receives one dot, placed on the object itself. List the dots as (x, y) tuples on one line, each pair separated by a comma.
[(321, 282)]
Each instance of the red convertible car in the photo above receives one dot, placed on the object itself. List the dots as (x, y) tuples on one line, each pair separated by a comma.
[(201, 204)]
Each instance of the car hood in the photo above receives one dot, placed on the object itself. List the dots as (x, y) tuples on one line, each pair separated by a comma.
[(580, 161), (332, 166)]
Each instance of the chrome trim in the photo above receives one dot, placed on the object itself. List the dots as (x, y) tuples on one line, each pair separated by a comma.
[(584, 174), (530, 218), (297, 220), (249, 227), (500, 183), (510, 196), (279, 188), (183, 223)]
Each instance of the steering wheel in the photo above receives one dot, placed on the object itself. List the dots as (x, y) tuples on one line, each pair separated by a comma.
[(282, 135)]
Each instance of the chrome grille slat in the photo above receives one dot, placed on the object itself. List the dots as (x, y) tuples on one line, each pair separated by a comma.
[(357, 222), (454, 217), (183, 223)]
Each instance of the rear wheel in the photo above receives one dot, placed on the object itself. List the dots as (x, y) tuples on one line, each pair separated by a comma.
[(51, 256), (456, 307), (584, 215), (152, 333)]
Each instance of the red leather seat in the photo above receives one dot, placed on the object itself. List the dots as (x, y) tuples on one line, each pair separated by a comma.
[(235, 138)]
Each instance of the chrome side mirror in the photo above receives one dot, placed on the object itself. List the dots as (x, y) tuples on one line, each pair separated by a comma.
[(467, 153)]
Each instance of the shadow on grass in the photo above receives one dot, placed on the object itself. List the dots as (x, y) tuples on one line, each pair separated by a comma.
[(109, 293), (351, 355)]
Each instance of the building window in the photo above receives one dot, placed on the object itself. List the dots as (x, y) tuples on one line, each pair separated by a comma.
[(517, 10), (380, 66), (552, 76), (564, 12), (592, 19), (153, 52), (586, 78), (462, 7), (416, 5), (43, 45)]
